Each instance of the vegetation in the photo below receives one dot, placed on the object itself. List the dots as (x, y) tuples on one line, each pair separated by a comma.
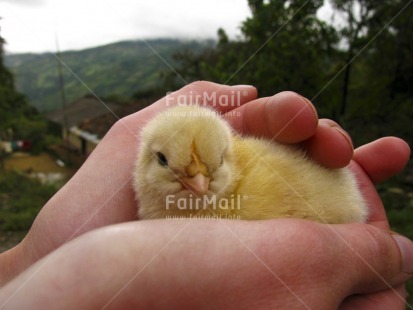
[(116, 70), (18, 119), (360, 73), (21, 200)]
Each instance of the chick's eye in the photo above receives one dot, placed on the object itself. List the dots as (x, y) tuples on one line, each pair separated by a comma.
[(162, 159)]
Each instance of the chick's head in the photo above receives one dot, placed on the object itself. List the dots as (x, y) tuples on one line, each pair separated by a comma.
[(185, 151)]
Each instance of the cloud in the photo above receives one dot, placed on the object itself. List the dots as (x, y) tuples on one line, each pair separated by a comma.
[(32, 25), (24, 2)]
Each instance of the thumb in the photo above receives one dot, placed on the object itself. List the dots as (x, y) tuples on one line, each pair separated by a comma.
[(377, 260)]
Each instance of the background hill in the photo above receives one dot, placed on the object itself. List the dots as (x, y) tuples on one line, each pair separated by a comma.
[(115, 70)]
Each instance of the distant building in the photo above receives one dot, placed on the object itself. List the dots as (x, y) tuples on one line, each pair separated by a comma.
[(85, 121), (76, 118)]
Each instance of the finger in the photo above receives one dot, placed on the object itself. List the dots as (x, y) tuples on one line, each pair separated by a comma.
[(374, 259), (375, 162), (285, 117), (102, 183), (330, 145), (383, 158), (377, 213), (223, 98)]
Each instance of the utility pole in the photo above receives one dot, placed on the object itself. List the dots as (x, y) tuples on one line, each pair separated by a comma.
[(63, 100)]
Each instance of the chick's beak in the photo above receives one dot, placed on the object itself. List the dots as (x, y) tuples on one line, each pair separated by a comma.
[(198, 184), (196, 179)]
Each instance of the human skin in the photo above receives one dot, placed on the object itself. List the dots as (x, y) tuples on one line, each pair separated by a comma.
[(104, 197)]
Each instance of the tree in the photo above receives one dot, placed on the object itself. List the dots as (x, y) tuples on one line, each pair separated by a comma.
[(16, 115), (378, 49), (356, 14), (395, 45), (364, 76), (284, 46)]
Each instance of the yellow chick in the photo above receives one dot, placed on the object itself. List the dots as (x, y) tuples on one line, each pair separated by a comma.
[(191, 164)]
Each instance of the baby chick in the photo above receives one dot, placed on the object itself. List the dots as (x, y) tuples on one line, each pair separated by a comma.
[(191, 164)]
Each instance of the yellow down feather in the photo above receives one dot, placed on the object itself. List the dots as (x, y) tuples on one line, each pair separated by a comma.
[(191, 164)]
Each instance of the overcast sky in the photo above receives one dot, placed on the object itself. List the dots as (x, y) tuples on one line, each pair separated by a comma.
[(31, 25)]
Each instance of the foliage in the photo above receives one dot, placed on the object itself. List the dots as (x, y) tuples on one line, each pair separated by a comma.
[(361, 70), (20, 200), (116, 70), (18, 119), (379, 51), (279, 50)]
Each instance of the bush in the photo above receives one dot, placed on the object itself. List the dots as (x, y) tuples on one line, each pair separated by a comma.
[(21, 199)]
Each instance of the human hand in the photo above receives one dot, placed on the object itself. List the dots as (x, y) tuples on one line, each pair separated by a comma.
[(223, 264), (100, 193), (282, 263), (295, 121), (330, 145)]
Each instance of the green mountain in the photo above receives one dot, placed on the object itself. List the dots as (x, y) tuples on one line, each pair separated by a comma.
[(118, 69)]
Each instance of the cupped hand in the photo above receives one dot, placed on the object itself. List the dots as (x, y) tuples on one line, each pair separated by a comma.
[(219, 264), (100, 193), (290, 118)]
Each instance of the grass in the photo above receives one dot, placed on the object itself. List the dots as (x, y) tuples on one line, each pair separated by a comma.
[(21, 199)]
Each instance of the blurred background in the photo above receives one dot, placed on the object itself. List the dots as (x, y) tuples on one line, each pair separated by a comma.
[(70, 69)]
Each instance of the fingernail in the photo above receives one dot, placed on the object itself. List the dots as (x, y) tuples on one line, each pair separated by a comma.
[(242, 85), (311, 106), (344, 134), (406, 252)]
